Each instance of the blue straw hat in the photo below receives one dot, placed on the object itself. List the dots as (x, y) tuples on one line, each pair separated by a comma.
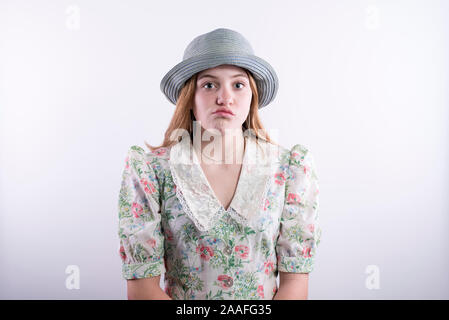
[(221, 46)]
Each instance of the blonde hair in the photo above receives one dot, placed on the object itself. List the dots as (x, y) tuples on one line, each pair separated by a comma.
[(183, 116)]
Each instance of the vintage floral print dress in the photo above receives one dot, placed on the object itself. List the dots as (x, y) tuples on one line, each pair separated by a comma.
[(171, 222)]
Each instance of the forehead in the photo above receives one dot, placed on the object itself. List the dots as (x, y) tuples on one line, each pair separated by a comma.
[(223, 71)]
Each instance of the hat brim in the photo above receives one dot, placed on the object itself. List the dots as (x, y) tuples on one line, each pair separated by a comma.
[(263, 73)]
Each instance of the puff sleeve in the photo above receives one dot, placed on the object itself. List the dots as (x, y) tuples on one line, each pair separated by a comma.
[(299, 233), (141, 245)]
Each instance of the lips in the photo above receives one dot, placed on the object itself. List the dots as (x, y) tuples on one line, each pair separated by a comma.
[(224, 110)]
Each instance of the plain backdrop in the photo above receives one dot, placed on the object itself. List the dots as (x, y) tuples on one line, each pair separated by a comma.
[(363, 84)]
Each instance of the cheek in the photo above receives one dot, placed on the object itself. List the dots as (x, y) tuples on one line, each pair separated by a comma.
[(247, 104), (242, 114), (204, 97), (246, 99), (243, 101), (199, 108)]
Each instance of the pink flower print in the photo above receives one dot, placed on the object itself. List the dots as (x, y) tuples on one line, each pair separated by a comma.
[(295, 155), (306, 252), (225, 281), (267, 203), (160, 151), (260, 291), (151, 242), (149, 187), (269, 267), (293, 198), (242, 251), (136, 209), (279, 178), (122, 253), (127, 162), (205, 252), (311, 227)]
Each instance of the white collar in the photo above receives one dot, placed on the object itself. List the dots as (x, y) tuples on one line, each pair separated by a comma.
[(198, 198)]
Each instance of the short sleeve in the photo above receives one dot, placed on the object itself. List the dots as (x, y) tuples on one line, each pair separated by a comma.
[(141, 245), (299, 233)]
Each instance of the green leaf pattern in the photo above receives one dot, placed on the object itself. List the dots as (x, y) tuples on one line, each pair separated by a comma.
[(231, 260)]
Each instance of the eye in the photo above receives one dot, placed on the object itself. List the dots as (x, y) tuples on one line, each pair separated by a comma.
[(207, 84), (210, 83)]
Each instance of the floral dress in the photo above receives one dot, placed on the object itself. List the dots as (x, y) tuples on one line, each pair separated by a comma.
[(171, 222)]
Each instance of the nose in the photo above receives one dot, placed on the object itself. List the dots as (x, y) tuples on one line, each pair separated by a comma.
[(225, 96)]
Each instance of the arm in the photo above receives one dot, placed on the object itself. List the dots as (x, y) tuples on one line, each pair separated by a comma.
[(292, 286), (300, 232), (146, 289), (140, 231)]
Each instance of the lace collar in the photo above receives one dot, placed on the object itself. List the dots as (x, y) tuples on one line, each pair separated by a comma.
[(198, 198)]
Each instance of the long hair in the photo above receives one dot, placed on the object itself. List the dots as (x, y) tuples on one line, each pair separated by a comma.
[(183, 116)]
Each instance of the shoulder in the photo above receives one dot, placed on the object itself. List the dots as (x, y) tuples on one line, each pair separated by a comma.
[(293, 155), (139, 152), (154, 159), (299, 151), (300, 156)]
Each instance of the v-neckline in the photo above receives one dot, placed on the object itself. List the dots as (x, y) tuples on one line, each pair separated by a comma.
[(239, 181), (197, 197)]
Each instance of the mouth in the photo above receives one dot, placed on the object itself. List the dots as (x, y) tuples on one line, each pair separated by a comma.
[(223, 112)]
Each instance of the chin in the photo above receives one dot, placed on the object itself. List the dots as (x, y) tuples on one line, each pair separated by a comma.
[(221, 125)]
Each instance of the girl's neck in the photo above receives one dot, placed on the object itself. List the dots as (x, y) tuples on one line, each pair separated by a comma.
[(220, 149)]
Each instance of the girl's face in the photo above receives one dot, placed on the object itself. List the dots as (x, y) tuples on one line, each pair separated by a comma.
[(223, 87)]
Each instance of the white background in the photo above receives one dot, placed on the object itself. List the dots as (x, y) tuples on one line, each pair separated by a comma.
[(363, 84)]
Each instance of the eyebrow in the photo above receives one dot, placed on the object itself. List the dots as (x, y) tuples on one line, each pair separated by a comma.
[(211, 76)]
